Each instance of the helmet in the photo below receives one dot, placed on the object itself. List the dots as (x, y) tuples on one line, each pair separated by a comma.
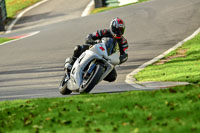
[(117, 28)]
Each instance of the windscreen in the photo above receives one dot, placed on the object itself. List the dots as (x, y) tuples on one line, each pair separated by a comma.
[(111, 45)]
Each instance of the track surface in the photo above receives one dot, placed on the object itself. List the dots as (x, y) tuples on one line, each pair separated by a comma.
[(50, 12), (33, 67)]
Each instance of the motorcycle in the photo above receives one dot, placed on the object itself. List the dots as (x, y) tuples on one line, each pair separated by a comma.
[(91, 67)]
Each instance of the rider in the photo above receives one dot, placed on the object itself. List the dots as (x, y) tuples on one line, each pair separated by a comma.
[(117, 28)]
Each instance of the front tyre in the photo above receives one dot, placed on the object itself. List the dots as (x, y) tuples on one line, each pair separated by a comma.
[(90, 81), (63, 87)]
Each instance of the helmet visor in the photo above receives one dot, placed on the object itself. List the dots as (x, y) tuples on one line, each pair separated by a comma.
[(118, 31)]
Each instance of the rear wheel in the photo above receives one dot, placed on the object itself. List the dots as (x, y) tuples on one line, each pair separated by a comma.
[(90, 80), (63, 87)]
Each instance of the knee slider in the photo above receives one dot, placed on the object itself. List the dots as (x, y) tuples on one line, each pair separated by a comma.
[(77, 49)]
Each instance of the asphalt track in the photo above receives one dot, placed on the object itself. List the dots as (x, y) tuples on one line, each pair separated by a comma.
[(51, 11), (33, 67)]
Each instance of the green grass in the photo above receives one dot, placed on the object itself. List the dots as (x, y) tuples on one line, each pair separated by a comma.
[(170, 110), (14, 6), (177, 69), (2, 40), (102, 9)]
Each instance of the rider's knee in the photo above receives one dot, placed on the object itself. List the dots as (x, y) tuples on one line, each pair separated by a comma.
[(77, 50)]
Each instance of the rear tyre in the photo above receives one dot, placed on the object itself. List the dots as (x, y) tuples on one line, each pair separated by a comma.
[(63, 87), (89, 82)]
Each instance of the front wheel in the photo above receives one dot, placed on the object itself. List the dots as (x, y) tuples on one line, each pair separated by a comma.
[(63, 87), (90, 81)]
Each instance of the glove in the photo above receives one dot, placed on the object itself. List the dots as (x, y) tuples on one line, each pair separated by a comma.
[(123, 58), (89, 39)]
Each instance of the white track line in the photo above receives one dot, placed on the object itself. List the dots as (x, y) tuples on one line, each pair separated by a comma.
[(130, 79), (87, 9), (26, 36), (22, 13)]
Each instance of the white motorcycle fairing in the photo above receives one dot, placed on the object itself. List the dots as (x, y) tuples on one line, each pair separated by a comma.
[(89, 59)]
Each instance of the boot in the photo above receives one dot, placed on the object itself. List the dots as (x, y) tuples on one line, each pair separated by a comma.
[(68, 64)]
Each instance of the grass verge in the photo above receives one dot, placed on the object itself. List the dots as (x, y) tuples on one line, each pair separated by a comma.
[(2, 40), (171, 110), (102, 9), (179, 65), (14, 6)]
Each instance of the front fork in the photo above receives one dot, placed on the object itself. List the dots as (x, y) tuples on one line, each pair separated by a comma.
[(90, 68), (109, 67)]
